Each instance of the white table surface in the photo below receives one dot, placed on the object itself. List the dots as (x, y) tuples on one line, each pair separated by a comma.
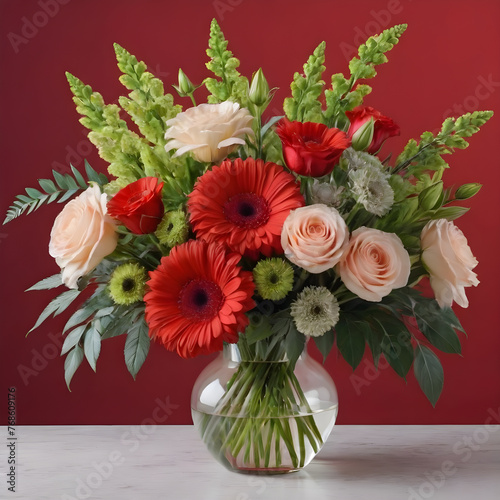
[(170, 462)]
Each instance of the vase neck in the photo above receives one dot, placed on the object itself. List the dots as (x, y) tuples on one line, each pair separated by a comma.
[(232, 352)]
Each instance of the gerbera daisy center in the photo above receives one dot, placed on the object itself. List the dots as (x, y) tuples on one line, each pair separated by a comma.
[(200, 299), (247, 210)]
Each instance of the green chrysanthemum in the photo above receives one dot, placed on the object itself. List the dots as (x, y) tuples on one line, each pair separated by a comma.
[(173, 229), (273, 278), (127, 284), (315, 311)]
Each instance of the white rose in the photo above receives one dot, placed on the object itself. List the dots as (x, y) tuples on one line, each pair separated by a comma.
[(374, 264), (82, 235), (314, 237), (210, 131), (449, 260)]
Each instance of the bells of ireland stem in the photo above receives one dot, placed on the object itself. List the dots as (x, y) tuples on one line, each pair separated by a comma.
[(363, 137), (258, 94)]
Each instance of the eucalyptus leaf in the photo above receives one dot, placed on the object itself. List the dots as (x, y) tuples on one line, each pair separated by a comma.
[(136, 346), (92, 345), (71, 363), (47, 283), (73, 338), (57, 306)]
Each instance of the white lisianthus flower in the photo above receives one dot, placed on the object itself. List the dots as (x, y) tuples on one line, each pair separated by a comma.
[(315, 311), (82, 235), (449, 260), (210, 131)]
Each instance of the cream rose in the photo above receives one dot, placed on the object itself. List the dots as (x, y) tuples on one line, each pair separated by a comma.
[(314, 237), (449, 260), (82, 235), (374, 264), (210, 131)]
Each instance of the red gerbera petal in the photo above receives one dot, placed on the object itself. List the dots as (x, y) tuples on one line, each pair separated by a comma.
[(198, 299), (243, 205)]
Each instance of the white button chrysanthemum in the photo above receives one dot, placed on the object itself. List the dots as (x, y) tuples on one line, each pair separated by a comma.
[(369, 186), (369, 182), (315, 311), (210, 131)]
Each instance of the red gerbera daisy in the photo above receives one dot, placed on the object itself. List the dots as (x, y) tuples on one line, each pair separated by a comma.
[(243, 204), (198, 299)]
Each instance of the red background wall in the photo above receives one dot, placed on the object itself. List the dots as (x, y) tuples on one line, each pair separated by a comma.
[(449, 51)]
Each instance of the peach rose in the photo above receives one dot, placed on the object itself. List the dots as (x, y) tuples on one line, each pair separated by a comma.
[(210, 131), (374, 264), (82, 235), (449, 260), (314, 237)]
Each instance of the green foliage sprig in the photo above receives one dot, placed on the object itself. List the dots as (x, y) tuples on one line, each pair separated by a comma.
[(61, 189)]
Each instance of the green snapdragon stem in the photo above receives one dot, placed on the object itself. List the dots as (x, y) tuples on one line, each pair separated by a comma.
[(262, 415)]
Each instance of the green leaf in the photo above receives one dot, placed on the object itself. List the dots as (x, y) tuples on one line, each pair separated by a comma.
[(71, 363), (374, 337), (429, 373), (47, 185), (396, 342), (79, 177), (56, 306), (434, 324), (294, 343), (47, 283), (136, 346), (73, 338), (258, 329), (325, 342), (351, 338), (92, 344), (450, 213), (269, 124)]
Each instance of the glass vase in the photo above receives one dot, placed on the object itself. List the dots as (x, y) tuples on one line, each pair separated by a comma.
[(256, 413)]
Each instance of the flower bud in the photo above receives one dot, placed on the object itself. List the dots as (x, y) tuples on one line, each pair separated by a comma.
[(259, 89), (185, 87), (431, 197), (467, 191), (363, 137)]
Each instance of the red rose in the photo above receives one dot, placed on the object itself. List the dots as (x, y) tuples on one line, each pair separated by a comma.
[(383, 127), (309, 148), (138, 206)]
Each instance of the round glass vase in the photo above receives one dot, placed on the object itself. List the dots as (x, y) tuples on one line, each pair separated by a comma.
[(258, 414)]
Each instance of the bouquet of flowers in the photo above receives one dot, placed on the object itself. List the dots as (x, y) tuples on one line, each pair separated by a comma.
[(221, 227)]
